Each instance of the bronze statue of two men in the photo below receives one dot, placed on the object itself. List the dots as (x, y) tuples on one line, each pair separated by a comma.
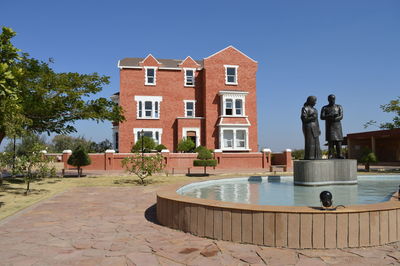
[(332, 114)]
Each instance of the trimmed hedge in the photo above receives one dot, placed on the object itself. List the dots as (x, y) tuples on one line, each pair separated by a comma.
[(211, 162)]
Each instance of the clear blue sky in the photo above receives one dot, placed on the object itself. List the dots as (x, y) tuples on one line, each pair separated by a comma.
[(349, 48)]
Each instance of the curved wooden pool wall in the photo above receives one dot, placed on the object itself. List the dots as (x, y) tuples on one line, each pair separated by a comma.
[(281, 226)]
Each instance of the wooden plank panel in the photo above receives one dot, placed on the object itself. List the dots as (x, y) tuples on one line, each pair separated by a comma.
[(175, 214), (269, 229), (392, 226), (354, 228), (384, 227), (209, 225), (247, 227), (186, 217), (193, 219), (201, 220), (364, 229), (330, 230), (342, 230), (294, 230), (374, 231), (318, 231), (306, 230), (281, 229), (258, 228), (227, 225), (236, 226), (217, 223)]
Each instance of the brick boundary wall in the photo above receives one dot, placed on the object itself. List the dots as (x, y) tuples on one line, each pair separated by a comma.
[(184, 161)]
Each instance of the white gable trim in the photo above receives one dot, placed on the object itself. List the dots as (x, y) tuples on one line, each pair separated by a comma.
[(141, 62), (187, 58), (231, 46)]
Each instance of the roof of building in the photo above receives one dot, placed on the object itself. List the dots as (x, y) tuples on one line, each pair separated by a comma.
[(377, 133), (167, 63)]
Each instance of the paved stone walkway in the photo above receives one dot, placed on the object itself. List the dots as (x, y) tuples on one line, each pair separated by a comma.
[(116, 226)]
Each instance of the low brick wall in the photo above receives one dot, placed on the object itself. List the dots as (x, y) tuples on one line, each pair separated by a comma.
[(184, 161), (281, 226)]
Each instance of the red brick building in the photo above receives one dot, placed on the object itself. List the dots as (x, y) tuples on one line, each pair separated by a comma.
[(212, 101)]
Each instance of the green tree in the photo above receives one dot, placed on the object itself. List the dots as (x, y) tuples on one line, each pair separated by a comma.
[(79, 158), (143, 166), (148, 145), (46, 101), (186, 145), (392, 107), (26, 144), (204, 158), (11, 118), (298, 154)]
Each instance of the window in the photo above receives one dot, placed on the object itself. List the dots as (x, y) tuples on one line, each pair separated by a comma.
[(234, 139), (148, 107), (233, 103), (190, 108), (239, 107), (228, 138), (231, 75), (150, 76), (240, 138), (189, 77), (154, 133), (229, 107)]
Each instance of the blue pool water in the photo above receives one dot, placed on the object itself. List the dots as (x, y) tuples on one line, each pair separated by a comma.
[(280, 191)]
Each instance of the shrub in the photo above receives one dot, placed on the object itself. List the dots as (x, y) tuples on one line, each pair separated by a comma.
[(367, 158), (79, 158), (148, 145), (160, 147), (186, 145), (143, 166), (204, 158)]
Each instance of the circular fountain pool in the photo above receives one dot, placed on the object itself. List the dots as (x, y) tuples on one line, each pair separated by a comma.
[(253, 211), (280, 191)]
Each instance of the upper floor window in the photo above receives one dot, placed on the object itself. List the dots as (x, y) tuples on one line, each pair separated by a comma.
[(231, 75), (233, 107), (148, 107), (233, 103), (189, 77), (150, 76), (190, 108)]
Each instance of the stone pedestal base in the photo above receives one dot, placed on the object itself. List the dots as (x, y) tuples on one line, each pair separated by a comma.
[(325, 172)]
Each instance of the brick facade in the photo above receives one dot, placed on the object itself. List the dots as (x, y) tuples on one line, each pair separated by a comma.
[(208, 93)]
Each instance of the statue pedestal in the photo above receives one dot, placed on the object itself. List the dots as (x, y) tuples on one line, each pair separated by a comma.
[(325, 172)]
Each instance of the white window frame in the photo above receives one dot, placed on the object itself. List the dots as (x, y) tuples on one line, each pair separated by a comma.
[(185, 77), (115, 130), (236, 74), (145, 76), (155, 100), (234, 144), (153, 130), (229, 95), (195, 129), (194, 107)]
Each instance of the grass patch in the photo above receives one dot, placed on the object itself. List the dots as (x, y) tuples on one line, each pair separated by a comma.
[(12, 198)]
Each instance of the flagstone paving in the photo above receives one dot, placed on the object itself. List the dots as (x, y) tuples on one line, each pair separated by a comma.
[(116, 226)]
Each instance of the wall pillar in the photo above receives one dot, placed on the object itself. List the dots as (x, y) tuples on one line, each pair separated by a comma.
[(266, 158), (65, 156), (165, 155), (288, 159), (109, 159), (218, 155)]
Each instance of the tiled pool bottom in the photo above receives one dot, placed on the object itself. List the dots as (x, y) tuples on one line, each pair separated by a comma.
[(280, 191), (281, 226)]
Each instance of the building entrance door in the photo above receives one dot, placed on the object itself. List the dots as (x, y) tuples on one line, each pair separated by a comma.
[(191, 135)]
